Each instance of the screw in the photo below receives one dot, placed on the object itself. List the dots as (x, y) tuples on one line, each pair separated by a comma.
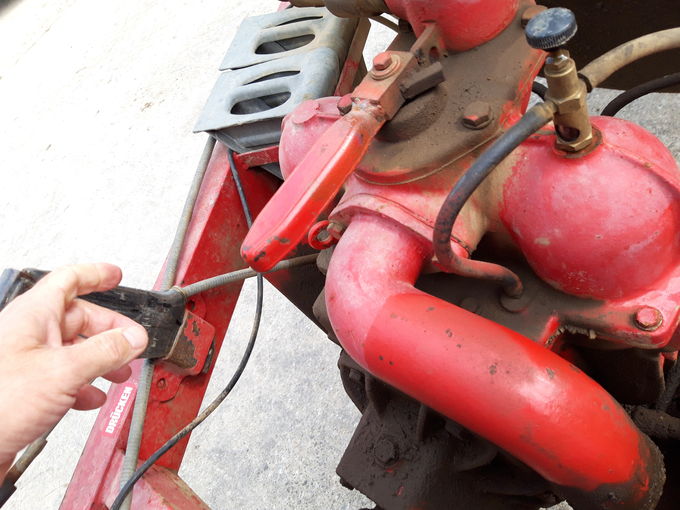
[(531, 12), (648, 318), (477, 115), (386, 451), (382, 61), (345, 104)]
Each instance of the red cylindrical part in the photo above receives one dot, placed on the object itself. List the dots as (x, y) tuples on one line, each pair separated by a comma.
[(497, 383), (464, 23)]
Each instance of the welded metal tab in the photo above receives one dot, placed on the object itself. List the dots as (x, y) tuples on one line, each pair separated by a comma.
[(246, 106), (296, 31)]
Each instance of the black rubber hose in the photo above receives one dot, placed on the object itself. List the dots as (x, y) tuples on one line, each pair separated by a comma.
[(630, 95), (128, 486), (533, 120), (539, 89)]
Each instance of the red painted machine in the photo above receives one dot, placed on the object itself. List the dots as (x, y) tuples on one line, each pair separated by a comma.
[(504, 281)]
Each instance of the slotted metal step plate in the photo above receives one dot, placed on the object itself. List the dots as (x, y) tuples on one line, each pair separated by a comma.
[(294, 31), (275, 62)]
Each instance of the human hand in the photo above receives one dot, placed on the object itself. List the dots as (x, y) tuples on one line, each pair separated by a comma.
[(46, 361)]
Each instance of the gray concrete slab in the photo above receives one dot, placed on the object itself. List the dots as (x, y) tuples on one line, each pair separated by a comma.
[(97, 103)]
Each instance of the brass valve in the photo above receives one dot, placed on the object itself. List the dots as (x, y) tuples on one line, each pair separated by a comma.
[(550, 31)]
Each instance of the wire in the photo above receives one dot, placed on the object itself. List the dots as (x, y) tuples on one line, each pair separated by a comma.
[(127, 487), (630, 95), (221, 280), (533, 120), (539, 89), (386, 22), (672, 384), (169, 274)]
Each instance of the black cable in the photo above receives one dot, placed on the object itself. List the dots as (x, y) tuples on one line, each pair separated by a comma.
[(539, 89), (672, 384), (234, 378), (533, 120), (630, 95)]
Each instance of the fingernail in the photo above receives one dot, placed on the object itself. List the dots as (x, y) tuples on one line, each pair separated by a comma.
[(136, 337)]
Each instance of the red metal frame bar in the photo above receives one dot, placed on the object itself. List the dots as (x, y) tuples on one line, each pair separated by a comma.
[(217, 228)]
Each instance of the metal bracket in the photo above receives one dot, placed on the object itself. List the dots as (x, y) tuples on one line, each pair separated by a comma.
[(275, 62)]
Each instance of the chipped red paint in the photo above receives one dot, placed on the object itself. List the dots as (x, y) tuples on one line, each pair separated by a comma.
[(217, 227), (497, 383), (310, 189)]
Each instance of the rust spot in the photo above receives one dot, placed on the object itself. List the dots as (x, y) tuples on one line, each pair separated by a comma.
[(429, 309), (551, 373), (381, 358), (459, 346), (449, 333), (493, 369), (195, 329), (259, 255), (392, 363), (393, 316)]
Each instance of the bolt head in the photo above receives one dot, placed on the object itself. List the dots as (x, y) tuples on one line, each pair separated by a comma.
[(648, 318), (345, 104), (382, 61), (477, 115), (386, 452)]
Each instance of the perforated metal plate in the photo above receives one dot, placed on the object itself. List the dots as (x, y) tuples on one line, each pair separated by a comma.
[(246, 106), (286, 33), (275, 62)]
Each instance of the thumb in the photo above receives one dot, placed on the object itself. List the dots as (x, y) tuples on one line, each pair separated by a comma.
[(106, 351)]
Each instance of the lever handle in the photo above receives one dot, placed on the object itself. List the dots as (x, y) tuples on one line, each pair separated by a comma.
[(316, 180)]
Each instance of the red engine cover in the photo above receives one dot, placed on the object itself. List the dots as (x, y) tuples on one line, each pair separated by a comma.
[(605, 225)]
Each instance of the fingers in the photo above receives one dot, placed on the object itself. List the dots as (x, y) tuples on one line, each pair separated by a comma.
[(119, 376), (89, 398), (60, 287), (87, 319), (104, 353)]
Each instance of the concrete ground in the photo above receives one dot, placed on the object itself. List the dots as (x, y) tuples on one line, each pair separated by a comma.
[(97, 104)]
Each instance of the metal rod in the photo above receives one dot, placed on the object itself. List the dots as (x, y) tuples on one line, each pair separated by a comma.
[(170, 273)]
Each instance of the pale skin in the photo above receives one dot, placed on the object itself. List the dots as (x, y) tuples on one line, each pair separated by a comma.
[(52, 346)]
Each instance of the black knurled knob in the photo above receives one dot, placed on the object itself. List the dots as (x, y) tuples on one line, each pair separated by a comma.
[(551, 28)]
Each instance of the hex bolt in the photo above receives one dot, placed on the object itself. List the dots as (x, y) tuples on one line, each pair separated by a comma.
[(648, 318), (531, 12), (477, 115), (382, 61), (345, 104), (385, 451)]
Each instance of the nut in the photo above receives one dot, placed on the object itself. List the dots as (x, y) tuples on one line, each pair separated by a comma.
[(384, 65), (386, 452), (477, 115), (648, 318), (382, 61)]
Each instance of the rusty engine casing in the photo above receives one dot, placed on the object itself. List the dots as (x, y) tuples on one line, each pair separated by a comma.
[(467, 394)]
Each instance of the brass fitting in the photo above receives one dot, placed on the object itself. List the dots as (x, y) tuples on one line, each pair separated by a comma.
[(568, 93)]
